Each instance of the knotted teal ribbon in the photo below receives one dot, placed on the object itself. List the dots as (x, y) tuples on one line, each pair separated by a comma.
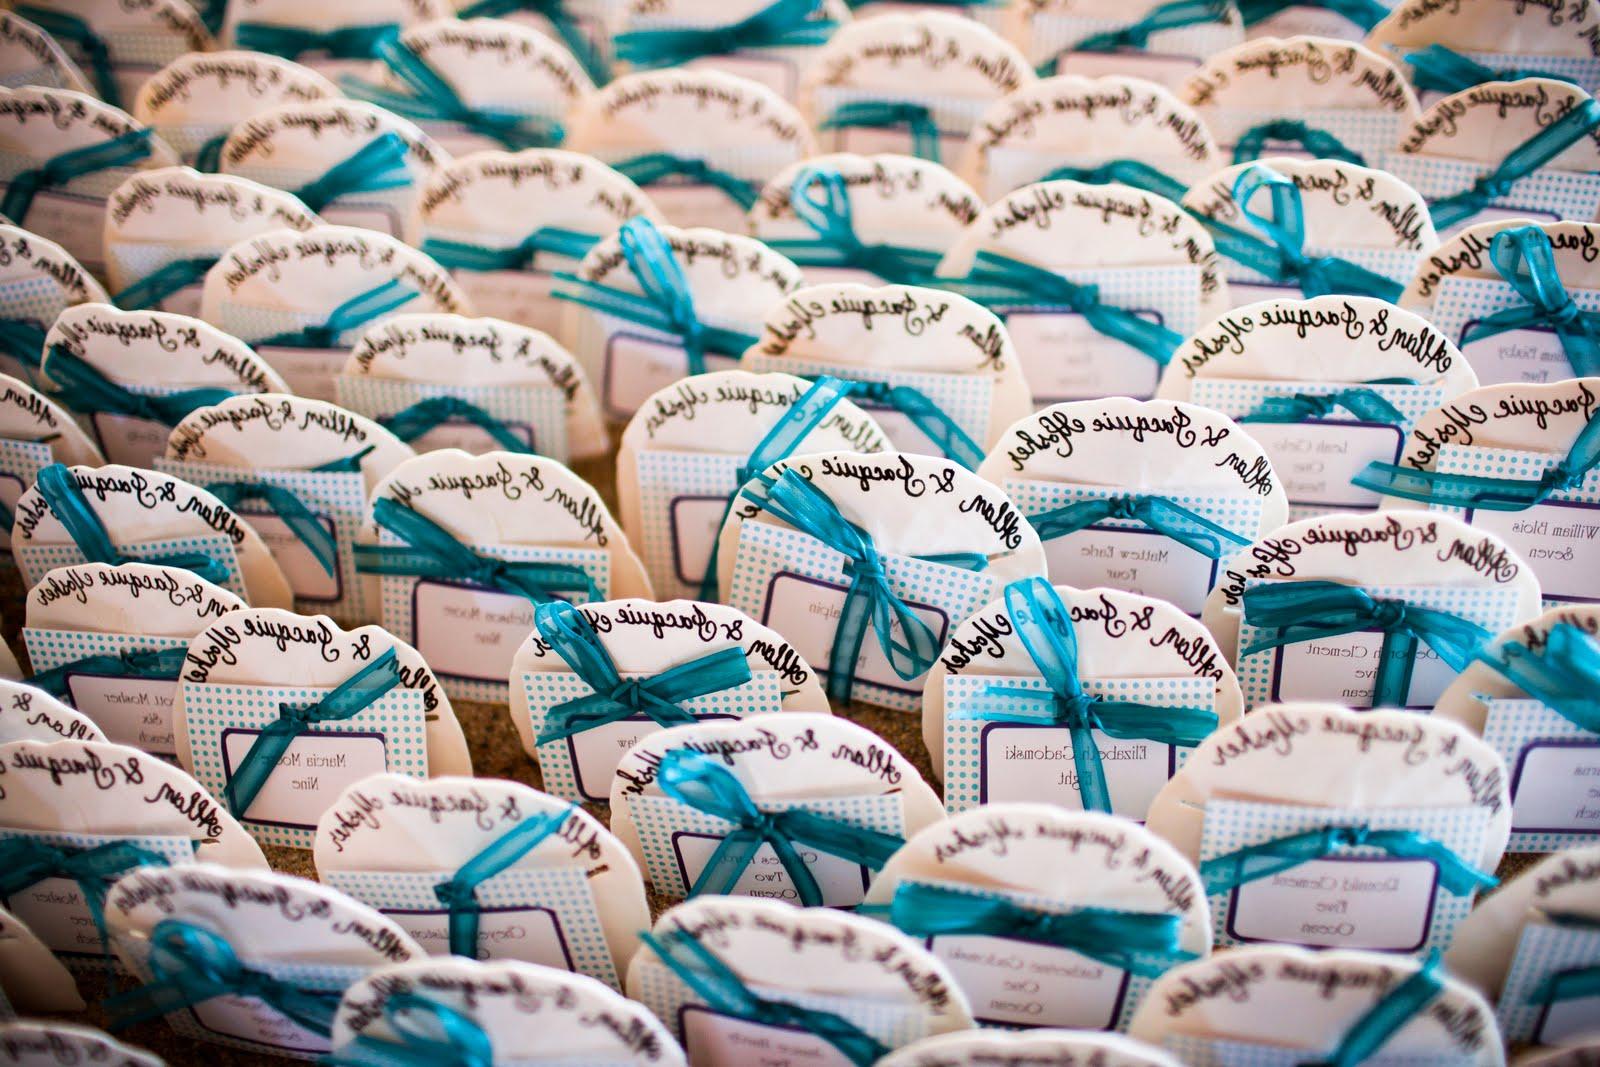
[(432, 99), (190, 965), (123, 150), (59, 489), (655, 167), (1044, 625), (870, 597), (435, 553), (926, 415), (27, 861), (1252, 863), (459, 255), (837, 244), (1136, 35), (358, 311), (352, 696), (667, 304), (1564, 676), (554, 12), (1387, 1017), (1320, 143), (292, 42), (460, 892), (783, 24), (288, 506), (714, 982), (1444, 70), (67, 27), (377, 165), (162, 664), (430, 1034), (1364, 13), (1128, 172), (1295, 612), (1573, 982), (149, 291), (88, 392), (886, 114), (410, 423), (702, 783), (1145, 943), (658, 697), (23, 340), (1160, 514), (1367, 405), (1524, 257), (1523, 160)]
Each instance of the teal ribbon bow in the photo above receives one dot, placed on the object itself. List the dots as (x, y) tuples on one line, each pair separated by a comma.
[(88, 391), (700, 782), (69, 28), (1521, 161), (1384, 1019), (432, 99), (352, 696), (27, 861), (1044, 625), (155, 663), (360, 310), (667, 304), (410, 423), (887, 114), (655, 167), (435, 553), (1366, 405), (1128, 172), (1320, 143), (460, 892), (714, 982), (460, 255), (123, 150), (1145, 943), (837, 244), (59, 489), (1364, 13), (1164, 516), (555, 13), (23, 340), (1252, 863), (430, 1034), (907, 641), (288, 506), (658, 698), (1294, 612), (190, 965), (1444, 70), (1564, 676), (149, 291), (783, 24), (377, 165), (1524, 257), (292, 42), (925, 414), (1136, 35)]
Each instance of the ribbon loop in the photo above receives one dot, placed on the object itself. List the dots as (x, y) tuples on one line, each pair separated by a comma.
[(1320, 143), (358, 311), (925, 139), (292, 42), (123, 150), (88, 391), (459, 255), (1188, 528), (1176, 14), (654, 167), (1525, 258), (1527, 158), (1367, 405), (424, 416), (162, 664), (1129, 172), (836, 243), (1364, 13), (288, 506), (1564, 676), (27, 861), (783, 24), (377, 165), (460, 892), (926, 415), (1439, 69), (430, 1034), (1252, 863)]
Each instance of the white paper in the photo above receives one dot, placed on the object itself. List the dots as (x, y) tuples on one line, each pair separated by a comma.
[(130, 711), (310, 775), (1340, 903), (1017, 983)]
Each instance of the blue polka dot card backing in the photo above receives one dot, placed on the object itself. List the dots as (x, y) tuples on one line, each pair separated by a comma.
[(1544, 999), (130, 710), (1554, 764)]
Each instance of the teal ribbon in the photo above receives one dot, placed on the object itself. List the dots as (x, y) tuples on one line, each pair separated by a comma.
[(1387, 1017), (869, 598), (1164, 516), (460, 255), (702, 783), (88, 391), (1044, 625), (460, 892), (783, 24), (667, 304), (1524, 257), (926, 415), (1252, 863), (655, 167), (23, 340), (1364, 13), (430, 1034), (59, 489), (121, 151), (190, 965), (354, 313), (149, 291), (377, 165), (836, 243), (291, 509), (714, 982), (1128, 172), (1574, 982), (1145, 943), (432, 99), (352, 696), (410, 423), (1521, 161), (162, 664), (1444, 70), (1136, 35), (886, 114), (208, 158), (554, 12), (292, 42), (1564, 676), (1294, 612), (27, 861), (1366, 405), (1320, 143), (435, 553), (70, 28), (658, 697)]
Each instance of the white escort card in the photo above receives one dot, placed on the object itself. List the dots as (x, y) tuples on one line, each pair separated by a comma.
[(1107, 37), (299, 471), (754, 39), (693, 444), (1099, 314), (277, 713), (506, 223), (38, 280), (32, 979), (590, 682), (799, 807), (740, 978), (817, 546), (466, 547), (1088, 700), (35, 432), (111, 640), (1314, 825), (480, 385), (333, 41), (120, 45), (1152, 497), (1047, 1046), (488, 870), (521, 1013), (1497, 42), (1277, 1006), (45, 1044), (1325, 385), (301, 300), (30, 56), (30, 714), (700, 143), (1046, 918), (286, 948)]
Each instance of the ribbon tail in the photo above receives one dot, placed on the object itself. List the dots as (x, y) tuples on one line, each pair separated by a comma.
[(727, 864), (1092, 787), (258, 765), (1396, 660)]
